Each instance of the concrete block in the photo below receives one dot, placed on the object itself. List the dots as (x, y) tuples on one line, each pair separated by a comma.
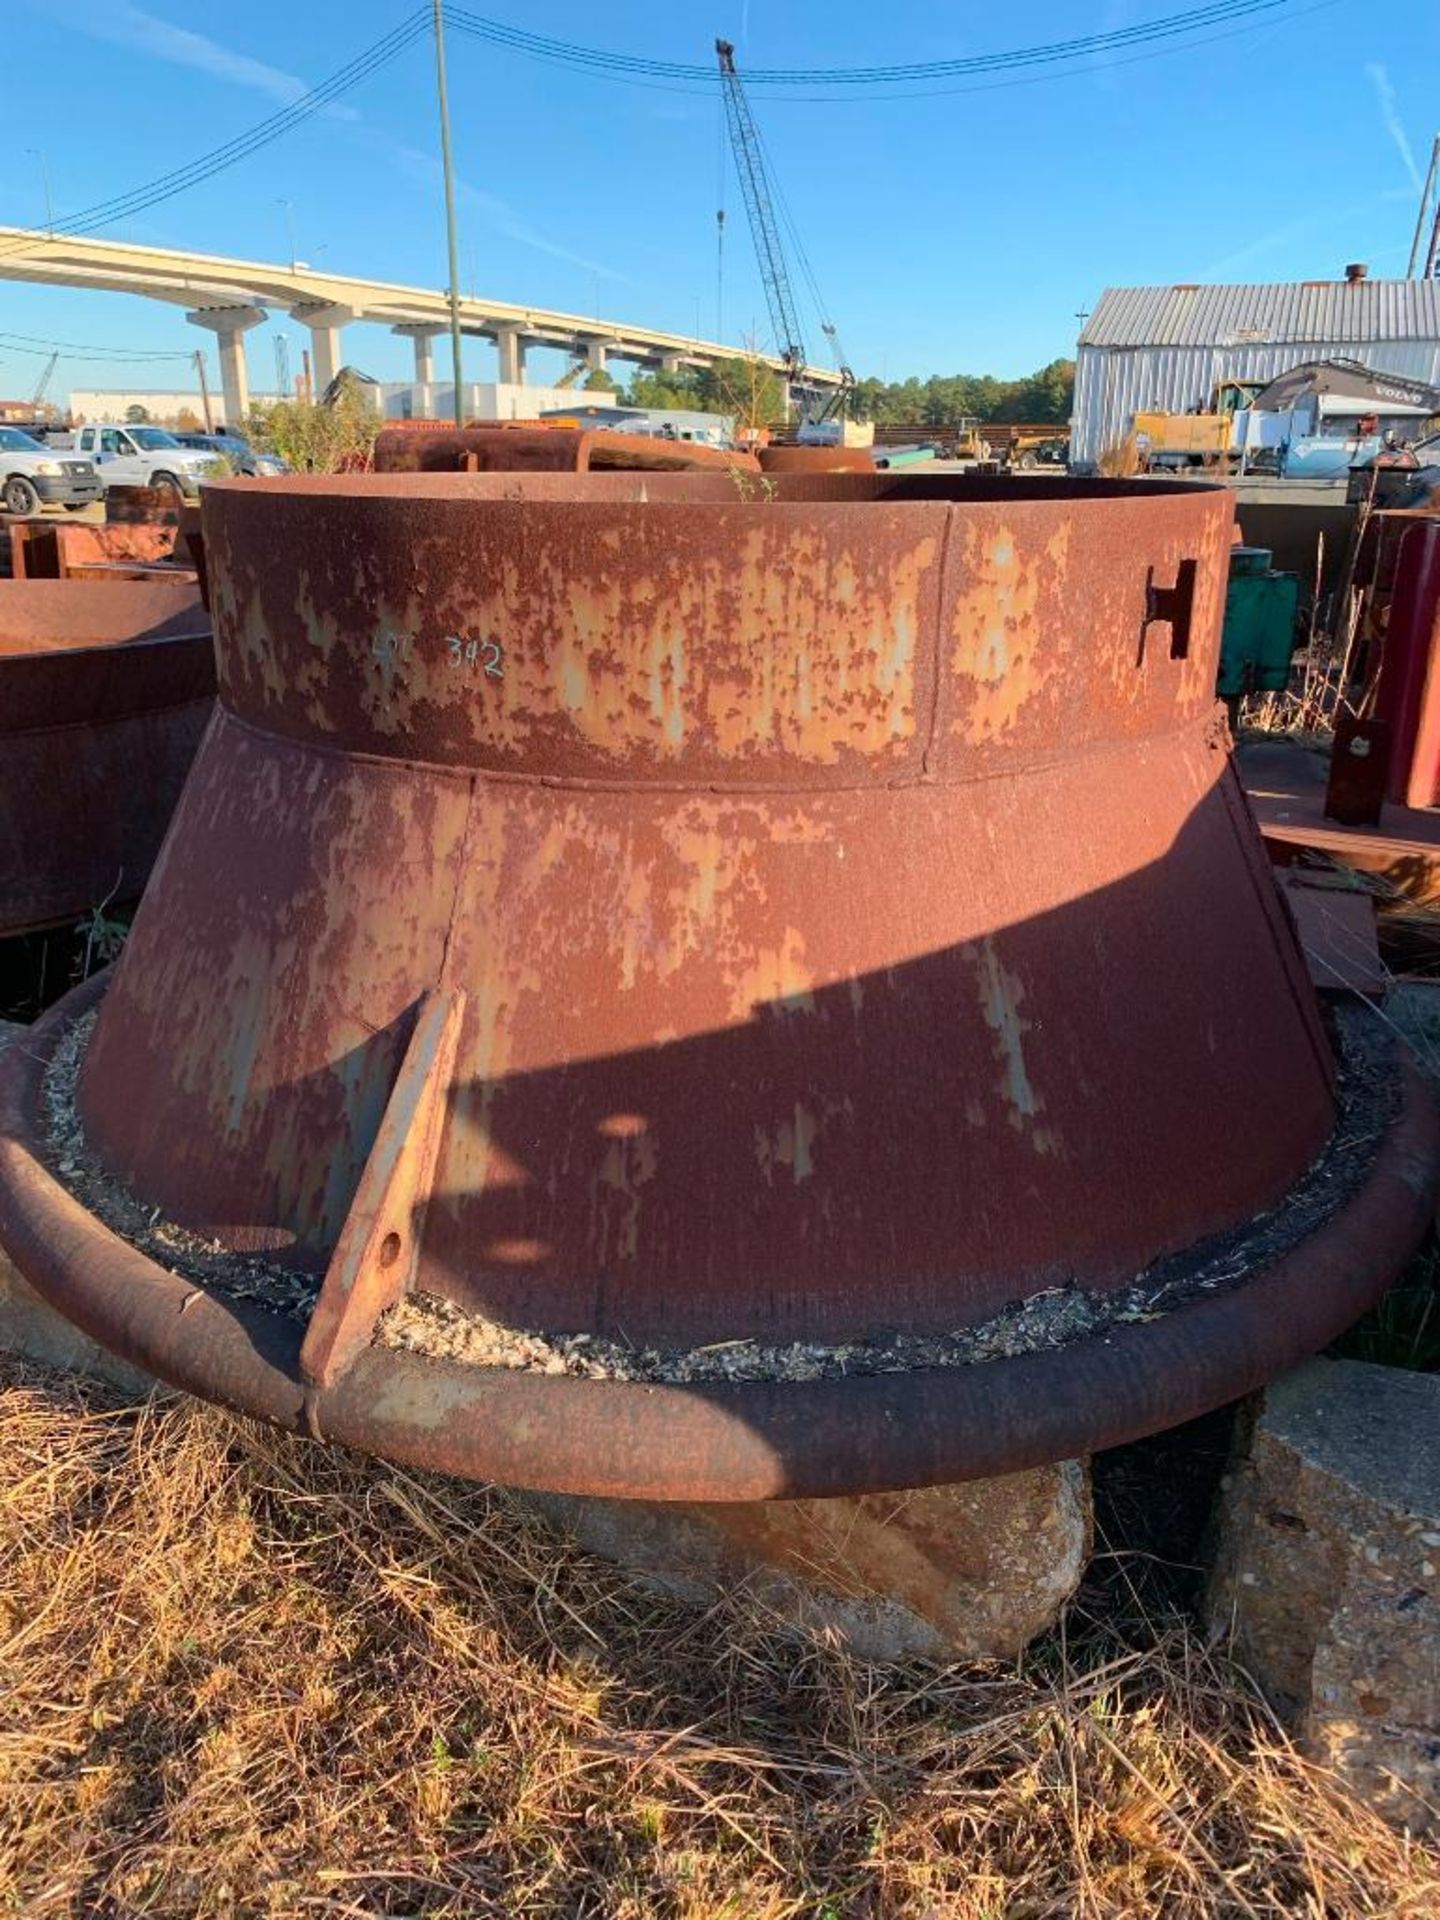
[(972, 1571), (1328, 1573)]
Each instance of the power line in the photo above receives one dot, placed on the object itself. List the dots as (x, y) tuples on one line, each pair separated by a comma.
[(620, 65), (1152, 35), (29, 343), (166, 186)]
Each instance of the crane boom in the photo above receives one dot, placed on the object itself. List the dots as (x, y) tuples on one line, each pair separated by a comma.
[(754, 185), (44, 384)]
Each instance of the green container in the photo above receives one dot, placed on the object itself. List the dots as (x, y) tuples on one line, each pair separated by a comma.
[(1261, 615)]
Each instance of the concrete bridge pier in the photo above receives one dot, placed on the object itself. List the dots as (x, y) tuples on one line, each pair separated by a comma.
[(325, 323), (230, 325), (423, 340), (510, 352)]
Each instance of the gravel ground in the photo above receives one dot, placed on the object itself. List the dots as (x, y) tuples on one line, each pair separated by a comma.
[(425, 1324)]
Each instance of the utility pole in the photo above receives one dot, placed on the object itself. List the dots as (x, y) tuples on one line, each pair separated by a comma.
[(449, 209), (204, 391), (1424, 208)]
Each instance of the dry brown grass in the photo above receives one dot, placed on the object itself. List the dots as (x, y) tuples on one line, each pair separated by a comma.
[(247, 1676)]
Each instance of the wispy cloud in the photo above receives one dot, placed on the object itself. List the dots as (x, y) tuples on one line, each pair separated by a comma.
[(1325, 220), (496, 213), (1394, 125), (123, 25)]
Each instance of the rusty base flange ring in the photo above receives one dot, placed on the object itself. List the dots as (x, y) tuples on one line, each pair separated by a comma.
[(756, 1441)]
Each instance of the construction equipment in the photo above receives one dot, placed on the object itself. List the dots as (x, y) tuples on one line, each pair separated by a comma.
[(1210, 436), (1023, 444), (42, 386), (748, 148)]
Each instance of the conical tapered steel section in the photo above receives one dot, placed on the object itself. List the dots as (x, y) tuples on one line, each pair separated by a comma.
[(859, 925)]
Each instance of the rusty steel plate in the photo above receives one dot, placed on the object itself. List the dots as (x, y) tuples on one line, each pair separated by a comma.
[(816, 460), (852, 917), (57, 549), (423, 447), (105, 688)]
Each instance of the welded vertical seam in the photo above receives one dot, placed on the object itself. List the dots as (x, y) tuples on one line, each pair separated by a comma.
[(462, 867), (942, 573)]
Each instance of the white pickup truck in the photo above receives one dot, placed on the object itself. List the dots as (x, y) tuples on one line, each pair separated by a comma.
[(143, 457), (32, 477)]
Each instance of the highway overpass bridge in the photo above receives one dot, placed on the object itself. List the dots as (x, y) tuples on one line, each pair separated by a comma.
[(229, 297)]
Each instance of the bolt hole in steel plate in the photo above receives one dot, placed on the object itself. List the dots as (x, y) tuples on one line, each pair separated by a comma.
[(858, 930)]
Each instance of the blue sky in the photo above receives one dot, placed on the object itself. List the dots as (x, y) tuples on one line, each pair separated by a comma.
[(950, 232)]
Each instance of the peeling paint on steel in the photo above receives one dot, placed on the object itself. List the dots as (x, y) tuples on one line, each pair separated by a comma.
[(858, 917)]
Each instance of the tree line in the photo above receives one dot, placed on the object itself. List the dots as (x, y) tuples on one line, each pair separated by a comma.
[(944, 400)]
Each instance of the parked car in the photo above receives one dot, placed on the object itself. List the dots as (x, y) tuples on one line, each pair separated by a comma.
[(135, 456), (242, 456), (34, 476)]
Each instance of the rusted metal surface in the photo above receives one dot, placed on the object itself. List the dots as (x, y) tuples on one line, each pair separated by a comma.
[(147, 506), (192, 545), (1335, 925), (59, 550), (777, 800), (105, 688), (1407, 697), (859, 922), (816, 460), (376, 1257), (420, 448), (1286, 784), (1359, 771), (720, 1443)]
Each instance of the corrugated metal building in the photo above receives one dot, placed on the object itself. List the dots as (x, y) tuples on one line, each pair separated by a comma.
[(1167, 347)]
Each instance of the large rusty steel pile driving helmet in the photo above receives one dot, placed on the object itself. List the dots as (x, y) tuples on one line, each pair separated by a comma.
[(778, 971)]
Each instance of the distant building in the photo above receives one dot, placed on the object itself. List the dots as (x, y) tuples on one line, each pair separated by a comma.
[(484, 400), (18, 410), (163, 406), (1167, 348), (585, 406)]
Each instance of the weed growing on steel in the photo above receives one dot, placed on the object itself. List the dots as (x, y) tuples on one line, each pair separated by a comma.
[(249, 1677)]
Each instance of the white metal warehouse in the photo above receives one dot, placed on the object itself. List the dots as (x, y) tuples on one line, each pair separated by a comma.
[(1167, 347)]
